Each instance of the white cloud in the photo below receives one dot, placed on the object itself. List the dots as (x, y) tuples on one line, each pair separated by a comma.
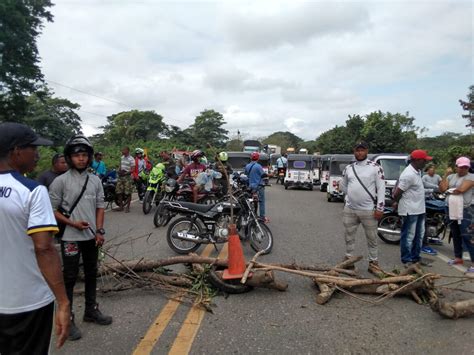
[(268, 65)]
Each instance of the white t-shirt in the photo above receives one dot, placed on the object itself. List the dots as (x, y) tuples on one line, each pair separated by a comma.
[(412, 201), (25, 209)]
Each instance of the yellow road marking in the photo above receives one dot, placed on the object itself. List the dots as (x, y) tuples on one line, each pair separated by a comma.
[(185, 338), (155, 331)]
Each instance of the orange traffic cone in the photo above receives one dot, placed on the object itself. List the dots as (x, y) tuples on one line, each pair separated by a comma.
[(236, 258)]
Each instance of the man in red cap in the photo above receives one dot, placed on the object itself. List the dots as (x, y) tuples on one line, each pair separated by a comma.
[(409, 197)]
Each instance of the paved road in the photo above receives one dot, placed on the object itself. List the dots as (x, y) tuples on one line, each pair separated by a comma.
[(307, 229)]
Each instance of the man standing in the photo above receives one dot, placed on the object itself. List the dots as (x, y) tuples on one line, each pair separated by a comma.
[(430, 182), (81, 195), (255, 173), (30, 268), (124, 187), (141, 164), (59, 166), (409, 197), (364, 186), (170, 166), (98, 165)]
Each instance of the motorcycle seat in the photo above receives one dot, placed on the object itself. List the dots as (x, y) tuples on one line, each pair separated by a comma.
[(198, 207)]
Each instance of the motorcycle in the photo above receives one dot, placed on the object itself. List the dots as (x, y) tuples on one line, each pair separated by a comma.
[(205, 224), (281, 172), (436, 221), (109, 181), (154, 191), (141, 183), (182, 192)]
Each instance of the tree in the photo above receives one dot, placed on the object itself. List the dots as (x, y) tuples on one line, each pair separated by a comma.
[(234, 145), (130, 126), (284, 140), (52, 117), (334, 141), (20, 75), (207, 129), (469, 107), (390, 133)]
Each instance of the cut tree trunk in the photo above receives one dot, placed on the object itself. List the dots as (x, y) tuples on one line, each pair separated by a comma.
[(454, 310)]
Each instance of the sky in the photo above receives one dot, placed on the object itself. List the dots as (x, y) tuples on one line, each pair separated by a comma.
[(267, 66)]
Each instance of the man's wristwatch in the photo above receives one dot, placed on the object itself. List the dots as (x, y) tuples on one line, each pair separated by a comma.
[(100, 231)]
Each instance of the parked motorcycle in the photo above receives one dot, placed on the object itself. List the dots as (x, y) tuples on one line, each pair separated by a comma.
[(182, 192), (205, 224), (109, 181), (154, 191), (436, 221)]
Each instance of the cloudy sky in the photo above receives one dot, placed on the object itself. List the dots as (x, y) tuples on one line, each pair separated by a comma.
[(298, 66)]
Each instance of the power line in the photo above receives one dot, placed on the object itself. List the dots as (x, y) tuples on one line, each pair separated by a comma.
[(86, 93), (100, 97)]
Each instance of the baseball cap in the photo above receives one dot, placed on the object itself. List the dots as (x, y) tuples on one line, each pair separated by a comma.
[(420, 154), (361, 144), (463, 161), (14, 134)]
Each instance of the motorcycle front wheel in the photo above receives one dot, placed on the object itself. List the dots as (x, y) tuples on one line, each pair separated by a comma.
[(389, 229), (162, 216), (260, 238), (227, 286), (186, 226), (148, 201)]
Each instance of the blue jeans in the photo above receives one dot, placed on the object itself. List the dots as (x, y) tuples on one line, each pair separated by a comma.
[(261, 200), (462, 233), (411, 238)]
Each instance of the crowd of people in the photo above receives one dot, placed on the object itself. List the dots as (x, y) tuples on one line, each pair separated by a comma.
[(364, 188), (68, 201)]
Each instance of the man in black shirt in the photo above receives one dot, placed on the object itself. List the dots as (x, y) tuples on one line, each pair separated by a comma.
[(169, 164), (58, 167)]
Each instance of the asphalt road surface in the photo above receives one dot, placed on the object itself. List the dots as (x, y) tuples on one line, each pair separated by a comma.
[(307, 229)]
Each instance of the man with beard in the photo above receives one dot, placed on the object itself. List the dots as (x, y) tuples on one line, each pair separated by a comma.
[(364, 186)]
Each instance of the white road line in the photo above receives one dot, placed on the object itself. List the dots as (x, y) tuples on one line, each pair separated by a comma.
[(446, 259)]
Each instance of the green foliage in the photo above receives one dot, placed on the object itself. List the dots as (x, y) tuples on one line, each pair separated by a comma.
[(385, 133), (284, 140), (53, 118), (390, 133), (130, 126), (234, 145), (207, 130), (446, 147), (21, 23)]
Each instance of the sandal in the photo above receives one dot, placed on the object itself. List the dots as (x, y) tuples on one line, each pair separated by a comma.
[(455, 262)]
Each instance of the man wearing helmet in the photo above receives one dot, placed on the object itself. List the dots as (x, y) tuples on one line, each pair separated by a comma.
[(124, 187), (192, 170), (141, 164), (223, 166), (255, 173), (77, 198)]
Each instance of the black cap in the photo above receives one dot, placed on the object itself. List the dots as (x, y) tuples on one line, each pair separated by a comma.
[(361, 144), (18, 135)]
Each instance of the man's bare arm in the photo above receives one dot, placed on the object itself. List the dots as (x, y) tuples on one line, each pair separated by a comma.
[(50, 266)]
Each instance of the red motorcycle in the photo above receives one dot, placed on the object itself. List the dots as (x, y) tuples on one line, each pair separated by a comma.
[(281, 172)]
